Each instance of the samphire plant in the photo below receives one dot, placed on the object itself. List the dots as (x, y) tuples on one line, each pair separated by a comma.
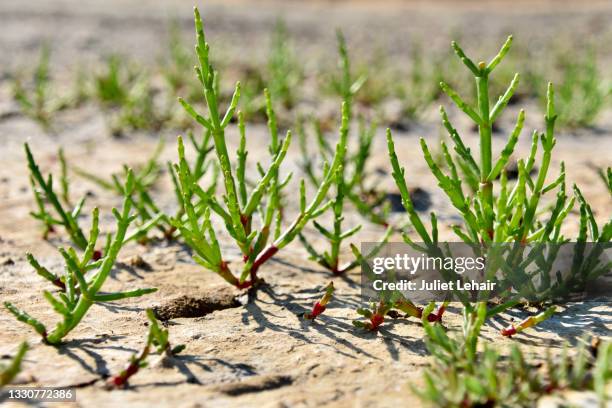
[(45, 196), (53, 207), (349, 182), (9, 372), (240, 208), (145, 177), (583, 93), (331, 259), (127, 96), (284, 69), (464, 375), (157, 338), (36, 99), (83, 278), (516, 213)]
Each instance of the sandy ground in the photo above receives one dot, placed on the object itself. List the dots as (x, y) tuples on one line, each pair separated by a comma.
[(260, 353)]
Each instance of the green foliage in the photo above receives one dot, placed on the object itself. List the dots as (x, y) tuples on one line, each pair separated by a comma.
[(582, 93), (515, 213), (158, 338), (420, 88), (148, 213), (10, 371), (82, 289), (606, 176), (257, 245), (126, 94), (347, 185), (36, 100), (284, 75), (45, 196), (111, 86), (461, 375)]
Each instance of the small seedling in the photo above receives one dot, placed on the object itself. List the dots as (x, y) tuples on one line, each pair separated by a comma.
[(10, 371), (320, 306), (530, 321), (240, 208), (421, 89), (111, 86), (83, 279), (158, 338), (390, 305), (375, 315), (127, 96)]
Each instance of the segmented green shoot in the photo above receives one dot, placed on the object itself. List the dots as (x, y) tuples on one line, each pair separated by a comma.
[(331, 259), (359, 185), (514, 214), (320, 306), (83, 277), (589, 231), (36, 101), (51, 206), (199, 169), (10, 371), (158, 338), (257, 245)]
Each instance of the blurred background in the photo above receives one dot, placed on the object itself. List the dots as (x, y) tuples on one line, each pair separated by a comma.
[(401, 48)]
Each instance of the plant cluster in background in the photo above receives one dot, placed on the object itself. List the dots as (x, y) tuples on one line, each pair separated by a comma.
[(134, 98)]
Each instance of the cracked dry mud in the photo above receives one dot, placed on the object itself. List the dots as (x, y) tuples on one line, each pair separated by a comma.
[(240, 352)]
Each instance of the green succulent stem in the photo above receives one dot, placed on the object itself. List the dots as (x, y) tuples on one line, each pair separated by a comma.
[(9, 372), (74, 304)]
